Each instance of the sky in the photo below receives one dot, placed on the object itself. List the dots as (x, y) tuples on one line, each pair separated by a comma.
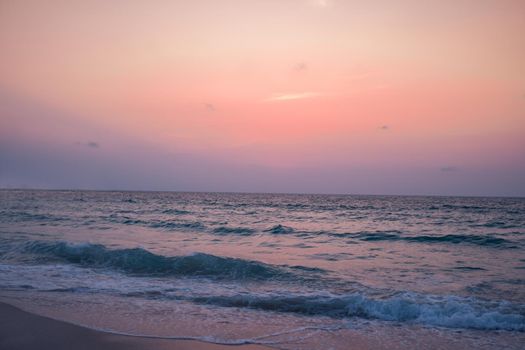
[(310, 96)]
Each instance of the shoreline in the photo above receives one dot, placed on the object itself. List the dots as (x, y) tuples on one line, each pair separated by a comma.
[(22, 330)]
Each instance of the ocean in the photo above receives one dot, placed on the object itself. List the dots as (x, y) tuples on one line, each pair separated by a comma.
[(285, 270)]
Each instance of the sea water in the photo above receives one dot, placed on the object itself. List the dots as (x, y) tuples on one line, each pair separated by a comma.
[(288, 271)]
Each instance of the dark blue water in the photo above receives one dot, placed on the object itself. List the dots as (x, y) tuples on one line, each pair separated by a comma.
[(297, 269)]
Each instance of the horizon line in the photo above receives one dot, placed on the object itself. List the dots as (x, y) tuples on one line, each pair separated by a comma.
[(258, 193)]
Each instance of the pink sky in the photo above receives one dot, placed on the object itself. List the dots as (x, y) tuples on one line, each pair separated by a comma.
[(415, 97)]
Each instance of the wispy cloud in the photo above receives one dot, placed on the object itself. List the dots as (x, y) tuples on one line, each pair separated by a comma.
[(321, 3), (384, 127), (449, 168), (293, 96), (210, 107), (90, 144), (300, 67)]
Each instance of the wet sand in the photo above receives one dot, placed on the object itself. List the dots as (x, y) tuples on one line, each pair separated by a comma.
[(20, 330)]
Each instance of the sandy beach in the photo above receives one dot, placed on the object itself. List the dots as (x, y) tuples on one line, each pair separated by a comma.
[(20, 330)]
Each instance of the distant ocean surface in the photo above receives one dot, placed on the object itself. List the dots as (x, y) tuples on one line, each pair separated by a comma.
[(289, 271)]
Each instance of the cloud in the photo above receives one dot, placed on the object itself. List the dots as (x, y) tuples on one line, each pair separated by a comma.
[(210, 107), (384, 127), (300, 67), (293, 96), (449, 168), (90, 144)]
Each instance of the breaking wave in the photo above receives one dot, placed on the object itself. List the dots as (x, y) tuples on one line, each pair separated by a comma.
[(142, 262), (443, 311)]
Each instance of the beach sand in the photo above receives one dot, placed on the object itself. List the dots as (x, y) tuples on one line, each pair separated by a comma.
[(20, 330)]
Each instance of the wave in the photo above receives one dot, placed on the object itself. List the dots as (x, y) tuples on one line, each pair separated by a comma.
[(142, 262), (172, 211), (279, 229), (174, 225), (485, 240), (23, 216), (457, 238), (469, 268), (496, 224), (443, 311), (162, 224), (225, 230), (465, 207)]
